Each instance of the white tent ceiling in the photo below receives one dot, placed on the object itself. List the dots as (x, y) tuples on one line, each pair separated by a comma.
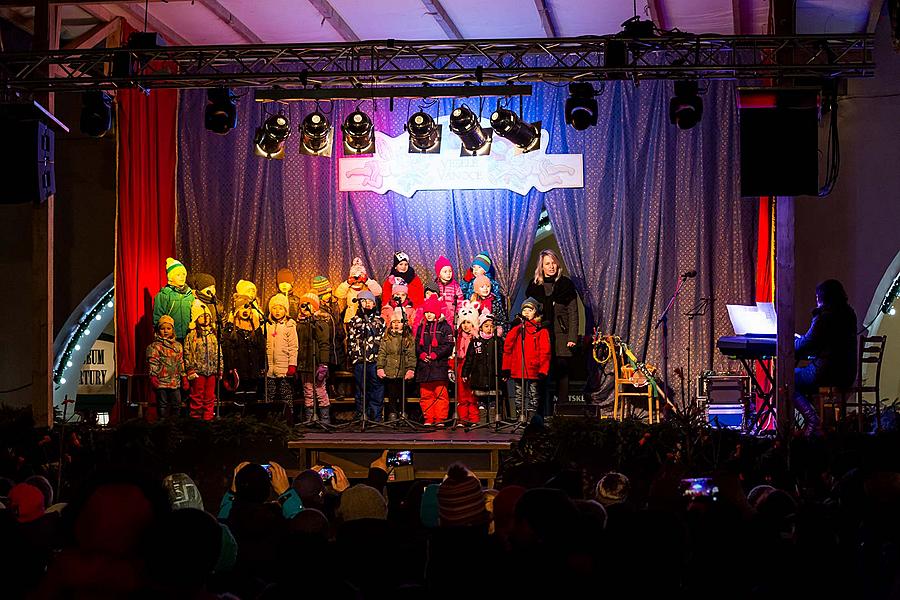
[(297, 21)]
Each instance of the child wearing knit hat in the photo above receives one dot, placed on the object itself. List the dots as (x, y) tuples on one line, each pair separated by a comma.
[(396, 359), (285, 281), (202, 362), (175, 298), (447, 288), (165, 366), (331, 305), (281, 353), (466, 329), (314, 352), (403, 269), (489, 300), (364, 335), (434, 345), (357, 281), (526, 355), (461, 499)]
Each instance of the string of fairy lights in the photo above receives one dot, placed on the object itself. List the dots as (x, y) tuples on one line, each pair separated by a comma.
[(82, 330)]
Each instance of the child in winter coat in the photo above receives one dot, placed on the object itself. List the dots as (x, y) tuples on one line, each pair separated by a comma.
[(431, 290), (484, 360), (165, 365), (399, 299), (243, 347), (281, 352), (434, 345), (491, 301), (364, 334), (447, 287), (330, 305), (313, 353), (466, 328), (481, 265), (525, 371), (396, 361), (202, 361), (357, 282), (401, 269)]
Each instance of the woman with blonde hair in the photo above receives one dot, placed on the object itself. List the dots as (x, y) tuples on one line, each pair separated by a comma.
[(559, 300)]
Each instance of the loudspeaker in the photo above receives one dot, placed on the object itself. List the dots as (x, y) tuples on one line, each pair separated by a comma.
[(779, 143), (26, 161)]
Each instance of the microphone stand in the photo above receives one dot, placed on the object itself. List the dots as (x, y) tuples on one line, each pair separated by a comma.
[(265, 328), (218, 402), (488, 422), (664, 321), (698, 311), (520, 422)]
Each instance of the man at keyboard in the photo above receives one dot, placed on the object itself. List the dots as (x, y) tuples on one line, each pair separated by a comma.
[(831, 345)]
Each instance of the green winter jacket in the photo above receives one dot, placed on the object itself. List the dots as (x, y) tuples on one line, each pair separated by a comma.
[(390, 356), (175, 302), (313, 343)]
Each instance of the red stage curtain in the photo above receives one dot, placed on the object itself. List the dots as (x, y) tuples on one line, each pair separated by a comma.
[(145, 223), (765, 277)]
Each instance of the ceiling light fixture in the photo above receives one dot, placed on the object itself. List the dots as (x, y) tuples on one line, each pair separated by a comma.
[(476, 140), (270, 137), (507, 124)]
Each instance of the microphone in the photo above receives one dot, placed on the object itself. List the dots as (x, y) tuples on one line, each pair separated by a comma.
[(396, 298), (354, 300), (689, 274)]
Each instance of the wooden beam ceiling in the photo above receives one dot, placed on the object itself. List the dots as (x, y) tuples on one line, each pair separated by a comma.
[(93, 36), (335, 20), (550, 29), (108, 12), (232, 21), (437, 10)]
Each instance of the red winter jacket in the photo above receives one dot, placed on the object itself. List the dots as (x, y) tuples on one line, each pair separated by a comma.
[(537, 351)]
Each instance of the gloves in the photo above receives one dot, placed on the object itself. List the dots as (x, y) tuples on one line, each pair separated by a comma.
[(410, 374), (433, 356), (451, 376), (185, 384), (192, 375), (423, 356), (154, 382), (381, 374), (292, 370), (321, 373)]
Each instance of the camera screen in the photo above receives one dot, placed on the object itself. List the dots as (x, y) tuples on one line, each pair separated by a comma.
[(326, 473), (699, 487), (399, 458)]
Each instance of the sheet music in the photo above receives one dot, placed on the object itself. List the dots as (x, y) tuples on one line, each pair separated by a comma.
[(759, 319)]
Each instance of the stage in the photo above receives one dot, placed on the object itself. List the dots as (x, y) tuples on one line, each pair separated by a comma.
[(433, 452)]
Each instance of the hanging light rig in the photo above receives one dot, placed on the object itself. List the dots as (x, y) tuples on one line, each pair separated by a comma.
[(424, 134), (270, 137), (476, 141), (509, 125), (316, 135), (359, 133)]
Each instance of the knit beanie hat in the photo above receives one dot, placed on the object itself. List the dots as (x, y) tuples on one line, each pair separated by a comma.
[(398, 286), (240, 301), (613, 488), (431, 288), (279, 300), (198, 307), (461, 499), (246, 288), (284, 276), (172, 264), (165, 319), (365, 295), (201, 281), (529, 301), (439, 264), (43, 484), (183, 492), (485, 316), (432, 305), (321, 285), (399, 257), (312, 299), (26, 502), (480, 281), (428, 511), (362, 502), (483, 260), (357, 269)]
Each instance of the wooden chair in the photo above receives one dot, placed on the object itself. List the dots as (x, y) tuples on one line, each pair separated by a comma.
[(625, 388), (871, 352)]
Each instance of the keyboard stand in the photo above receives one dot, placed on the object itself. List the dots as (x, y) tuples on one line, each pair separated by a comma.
[(767, 409)]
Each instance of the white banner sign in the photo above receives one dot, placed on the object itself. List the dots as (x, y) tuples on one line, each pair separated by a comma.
[(393, 167), (98, 372)]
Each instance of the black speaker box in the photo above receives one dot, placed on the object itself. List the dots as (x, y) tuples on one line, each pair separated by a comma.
[(26, 161), (779, 149)]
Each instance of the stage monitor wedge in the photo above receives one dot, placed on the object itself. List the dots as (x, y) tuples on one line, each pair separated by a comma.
[(779, 142)]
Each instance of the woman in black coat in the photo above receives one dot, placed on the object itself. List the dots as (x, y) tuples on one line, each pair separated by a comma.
[(557, 294)]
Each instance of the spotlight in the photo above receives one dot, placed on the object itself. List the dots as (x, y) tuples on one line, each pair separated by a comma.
[(96, 113), (269, 139), (359, 133), (316, 135), (507, 124), (581, 108), (686, 108), (221, 111), (424, 134), (476, 141)]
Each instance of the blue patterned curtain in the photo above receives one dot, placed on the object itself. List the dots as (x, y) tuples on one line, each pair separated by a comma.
[(658, 201)]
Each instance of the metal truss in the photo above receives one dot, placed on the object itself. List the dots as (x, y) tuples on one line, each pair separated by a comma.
[(394, 62)]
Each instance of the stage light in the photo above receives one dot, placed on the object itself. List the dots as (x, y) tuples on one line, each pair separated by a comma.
[(686, 108), (316, 135), (359, 133), (96, 113), (424, 134), (581, 108), (269, 139), (221, 111), (476, 141), (507, 124)]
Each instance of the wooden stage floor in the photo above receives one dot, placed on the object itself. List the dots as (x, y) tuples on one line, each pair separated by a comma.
[(433, 451)]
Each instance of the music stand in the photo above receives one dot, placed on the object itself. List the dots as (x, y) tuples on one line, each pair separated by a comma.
[(699, 310)]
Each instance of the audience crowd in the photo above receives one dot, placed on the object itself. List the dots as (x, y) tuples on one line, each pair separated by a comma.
[(758, 533)]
